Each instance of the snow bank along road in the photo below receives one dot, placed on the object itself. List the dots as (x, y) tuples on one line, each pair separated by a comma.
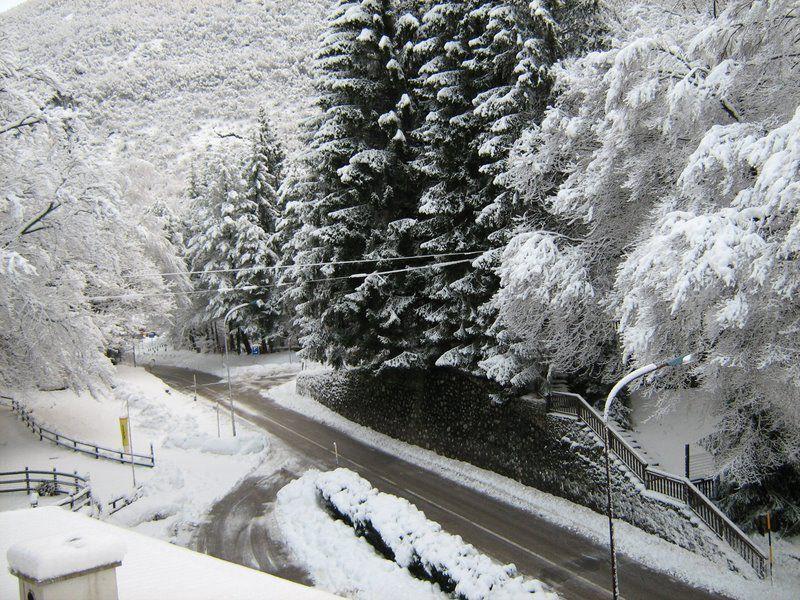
[(575, 567)]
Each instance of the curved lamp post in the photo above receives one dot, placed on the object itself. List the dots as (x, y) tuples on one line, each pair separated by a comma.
[(228, 364), (636, 374)]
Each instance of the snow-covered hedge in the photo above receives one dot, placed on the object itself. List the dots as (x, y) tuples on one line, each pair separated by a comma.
[(402, 533)]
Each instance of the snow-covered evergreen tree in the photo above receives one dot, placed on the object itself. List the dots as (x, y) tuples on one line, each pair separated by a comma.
[(449, 165), (487, 78), (264, 173), (287, 242), (361, 199), (208, 244), (258, 216), (234, 217)]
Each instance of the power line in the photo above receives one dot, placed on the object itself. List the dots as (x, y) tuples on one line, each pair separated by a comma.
[(318, 264), (248, 288)]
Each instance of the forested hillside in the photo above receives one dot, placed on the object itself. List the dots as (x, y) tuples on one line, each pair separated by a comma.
[(601, 185), (520, 190), (160, 79)]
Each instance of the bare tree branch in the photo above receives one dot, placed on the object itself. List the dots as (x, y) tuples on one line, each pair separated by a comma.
[(32, 227), (227, 135), (27, 121)]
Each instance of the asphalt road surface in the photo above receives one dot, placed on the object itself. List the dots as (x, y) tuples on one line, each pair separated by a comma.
[(573, 566)]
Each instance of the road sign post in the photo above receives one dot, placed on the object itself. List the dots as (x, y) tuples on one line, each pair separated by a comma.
[(127, 438)]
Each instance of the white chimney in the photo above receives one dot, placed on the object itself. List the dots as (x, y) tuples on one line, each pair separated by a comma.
[(67, 566)]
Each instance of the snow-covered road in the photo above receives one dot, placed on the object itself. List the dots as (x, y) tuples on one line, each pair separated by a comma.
[(574, 566), (241, 529)]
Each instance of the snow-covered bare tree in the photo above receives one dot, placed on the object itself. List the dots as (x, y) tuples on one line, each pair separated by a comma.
[(671, 164), (71, 264), (719, 271)]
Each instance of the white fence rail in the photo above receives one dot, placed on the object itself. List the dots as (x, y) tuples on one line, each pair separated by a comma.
[(679, 488)]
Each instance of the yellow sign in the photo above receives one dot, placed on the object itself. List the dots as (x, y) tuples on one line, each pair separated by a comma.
[(125, 430)]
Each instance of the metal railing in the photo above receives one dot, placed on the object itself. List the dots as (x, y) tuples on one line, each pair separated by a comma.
[(120, 456), (80, 496), (679, 488), (125, 500)]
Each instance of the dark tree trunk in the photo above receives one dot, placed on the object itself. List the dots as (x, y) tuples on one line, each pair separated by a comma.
[(245, 341), (232, 346)]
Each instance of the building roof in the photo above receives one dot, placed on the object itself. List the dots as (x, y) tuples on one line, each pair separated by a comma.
[(151, 568)]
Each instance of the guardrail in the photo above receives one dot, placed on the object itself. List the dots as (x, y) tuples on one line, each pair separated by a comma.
[(77, 499), (679, 488), (120, 456)]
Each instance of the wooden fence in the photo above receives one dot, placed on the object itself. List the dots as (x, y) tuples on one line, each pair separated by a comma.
[(79, 496), (678, 488), (120, 456)]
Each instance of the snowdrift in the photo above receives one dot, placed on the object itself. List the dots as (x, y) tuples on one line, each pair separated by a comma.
[(401, 533)]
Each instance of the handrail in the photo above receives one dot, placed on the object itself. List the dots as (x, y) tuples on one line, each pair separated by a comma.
[(120, 456), (679, 488), (80, 497), (641, 463)]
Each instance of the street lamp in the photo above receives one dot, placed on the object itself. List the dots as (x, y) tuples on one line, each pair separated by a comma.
[(636, 374), (228, 364)]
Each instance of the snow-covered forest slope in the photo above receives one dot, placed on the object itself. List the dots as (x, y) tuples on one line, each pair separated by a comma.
[(160, 78), (528, 191)]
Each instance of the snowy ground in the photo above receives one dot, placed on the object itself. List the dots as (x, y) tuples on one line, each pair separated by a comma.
[(663, 431), (154, 351), (645, 548), (150, 568), (194, 466)]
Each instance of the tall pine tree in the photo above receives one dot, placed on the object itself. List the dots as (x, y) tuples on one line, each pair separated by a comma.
[(258, 215), (236, 212), (455, 187), (362, 197), (487, 77)]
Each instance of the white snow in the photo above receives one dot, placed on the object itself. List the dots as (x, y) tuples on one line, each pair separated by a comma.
[(411, 537), (156, 352), (194, 466), (150, 568), (337, 560), (632, 542), (54, 556), (664, 428)]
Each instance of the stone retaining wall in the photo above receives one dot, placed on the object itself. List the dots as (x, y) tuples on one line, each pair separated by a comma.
[(453, 415)]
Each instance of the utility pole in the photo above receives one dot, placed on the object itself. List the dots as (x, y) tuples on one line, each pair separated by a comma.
[(228, 364)]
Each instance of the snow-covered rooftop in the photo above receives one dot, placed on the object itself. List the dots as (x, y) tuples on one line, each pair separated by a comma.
[(150, 568), (54, 556)]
